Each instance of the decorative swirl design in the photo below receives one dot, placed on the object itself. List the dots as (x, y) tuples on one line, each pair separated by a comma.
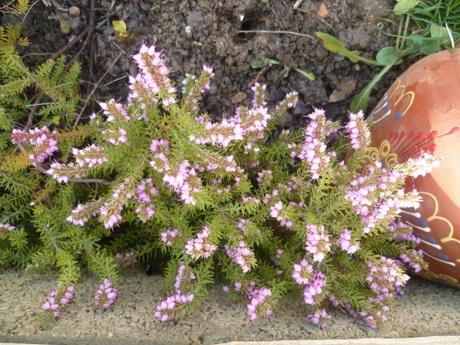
[(382, 154), (396, 96)]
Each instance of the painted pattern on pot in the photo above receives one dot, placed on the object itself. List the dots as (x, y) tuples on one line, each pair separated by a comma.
[(421, 112)]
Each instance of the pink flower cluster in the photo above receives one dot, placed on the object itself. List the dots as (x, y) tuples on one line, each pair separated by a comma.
[(317, 242), (114, 111), (106, 294), (358, 131), (57, 299), (346, 243), (249, 200), (145, 191), (184, 182), (313, 281), (277, 211), (126, 260), (193, 88), (259, 301), (422, 165), (116, 137), (241, 255), (402, 232), (200, 247), (169, 236), (153, 77), (80, 215), (110, 211), (6, 228), (264, 176), (319, 317), (414, 260), (385, 278), (313, 290), (314, 149), (302, 273), (42, 141), (160, 162), (183, 277), (167, 307), (225, 164), (89, 157), (242, 225), (249, 124), (378, 195)]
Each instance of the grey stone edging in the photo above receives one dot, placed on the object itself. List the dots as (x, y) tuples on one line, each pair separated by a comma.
[(435, 340), (427, 309)]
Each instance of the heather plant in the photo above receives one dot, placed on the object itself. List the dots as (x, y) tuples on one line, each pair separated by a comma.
[(21, 89), (265, 212)]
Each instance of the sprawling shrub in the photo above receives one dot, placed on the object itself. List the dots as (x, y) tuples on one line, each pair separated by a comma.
[(266, 212)]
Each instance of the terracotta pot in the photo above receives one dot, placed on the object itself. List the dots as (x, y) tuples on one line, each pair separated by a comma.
[(421, 112)]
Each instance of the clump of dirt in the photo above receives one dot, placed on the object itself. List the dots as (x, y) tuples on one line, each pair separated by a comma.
[(197, 32)]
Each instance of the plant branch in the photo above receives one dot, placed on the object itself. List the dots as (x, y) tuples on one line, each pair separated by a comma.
[(94, 90)]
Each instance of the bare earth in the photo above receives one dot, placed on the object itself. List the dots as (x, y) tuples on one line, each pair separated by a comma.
[(426, 309)]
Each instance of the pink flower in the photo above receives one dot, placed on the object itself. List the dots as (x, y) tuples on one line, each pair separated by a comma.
[(114, 111), (90, 156), (43, 143), (169, 236), (57, 298), (314, 149), (317, 242), (6, 228), (241, 255), (145, 191), (303, 272), (318, 317), (358, 131), (116, 137), (385, 278), (346, 243), (167, 307), (259, 302), (110, 211), (314, 288), (200, 247), (183, 277), (154, 75), (106, 295)]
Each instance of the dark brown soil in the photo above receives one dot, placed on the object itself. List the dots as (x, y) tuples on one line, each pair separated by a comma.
[(195, 32)]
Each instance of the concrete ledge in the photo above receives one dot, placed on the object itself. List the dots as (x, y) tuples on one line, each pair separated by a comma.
[(440, 340), (436, 340), (427, 309)]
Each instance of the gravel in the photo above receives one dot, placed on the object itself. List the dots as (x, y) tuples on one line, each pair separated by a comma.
[(426, 309)]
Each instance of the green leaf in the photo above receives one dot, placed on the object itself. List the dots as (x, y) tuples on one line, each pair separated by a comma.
[(309, 75), (425, 45), (361, 100), (336, 46), (261, 63), (440, 32), (404, 6), (387, 56)]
